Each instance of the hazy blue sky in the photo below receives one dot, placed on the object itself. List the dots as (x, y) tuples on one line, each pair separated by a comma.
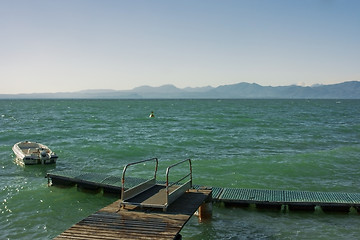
[(70, 45)]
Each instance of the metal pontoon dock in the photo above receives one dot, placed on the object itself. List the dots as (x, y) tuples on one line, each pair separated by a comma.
[(295, 200)]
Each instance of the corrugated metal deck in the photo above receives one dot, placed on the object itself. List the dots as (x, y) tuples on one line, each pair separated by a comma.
[(289, 197), (226, 195), (251, 195), (90, 180)]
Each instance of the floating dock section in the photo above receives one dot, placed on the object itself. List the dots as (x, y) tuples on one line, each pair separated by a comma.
[(293, 200)]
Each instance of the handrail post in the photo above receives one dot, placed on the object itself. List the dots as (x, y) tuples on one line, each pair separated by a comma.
[(123, 183), (190, 165), (134, 163), (167, 176)]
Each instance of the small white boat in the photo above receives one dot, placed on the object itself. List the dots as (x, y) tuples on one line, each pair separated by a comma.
[(29, 153)]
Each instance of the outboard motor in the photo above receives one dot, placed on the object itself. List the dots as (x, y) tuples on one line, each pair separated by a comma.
[(43, 156)]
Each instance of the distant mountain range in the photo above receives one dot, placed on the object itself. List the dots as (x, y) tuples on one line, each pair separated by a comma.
[(345, 90)]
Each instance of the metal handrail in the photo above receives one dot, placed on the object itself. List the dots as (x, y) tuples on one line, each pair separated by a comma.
[(134, 163), (167, 177)]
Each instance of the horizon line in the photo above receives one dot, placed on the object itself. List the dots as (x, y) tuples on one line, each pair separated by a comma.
[(173, 85)]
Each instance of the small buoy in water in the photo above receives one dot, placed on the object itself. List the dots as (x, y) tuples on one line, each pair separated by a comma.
[(151, 115)]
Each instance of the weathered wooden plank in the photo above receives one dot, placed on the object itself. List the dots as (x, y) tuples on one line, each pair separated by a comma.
[(99, 234)]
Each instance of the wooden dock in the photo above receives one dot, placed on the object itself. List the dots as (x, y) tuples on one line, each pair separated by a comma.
[(132, 222)]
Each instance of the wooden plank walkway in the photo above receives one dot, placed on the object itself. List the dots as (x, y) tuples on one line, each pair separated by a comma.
[(111, 222)]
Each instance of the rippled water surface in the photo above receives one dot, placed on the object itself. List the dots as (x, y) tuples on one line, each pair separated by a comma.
[(310, 145)]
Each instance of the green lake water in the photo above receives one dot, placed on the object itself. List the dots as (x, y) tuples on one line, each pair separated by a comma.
[(309, 145)]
